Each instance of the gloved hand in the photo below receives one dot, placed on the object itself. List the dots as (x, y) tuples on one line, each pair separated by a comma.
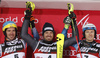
[(67, 20), (32, 19), (72, 15), (27, 13), (30, 6)]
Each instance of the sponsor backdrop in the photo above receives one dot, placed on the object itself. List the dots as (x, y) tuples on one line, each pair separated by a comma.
[(54, 16)]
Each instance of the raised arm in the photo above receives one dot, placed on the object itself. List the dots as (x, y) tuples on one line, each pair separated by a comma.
[(72, 40), (24, 32)]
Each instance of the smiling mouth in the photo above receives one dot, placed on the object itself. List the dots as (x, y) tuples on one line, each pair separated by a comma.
[(11, 36), (90, 36), (48, 37)]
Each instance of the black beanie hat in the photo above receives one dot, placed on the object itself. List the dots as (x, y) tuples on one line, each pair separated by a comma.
[(47, 27)]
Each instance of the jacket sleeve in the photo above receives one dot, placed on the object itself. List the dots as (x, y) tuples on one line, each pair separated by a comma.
[(35, 34), (72, 40), (24, 34)]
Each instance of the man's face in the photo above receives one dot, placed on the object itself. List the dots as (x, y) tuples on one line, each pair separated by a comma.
[(11, 33), (48, 35), (89, 34)]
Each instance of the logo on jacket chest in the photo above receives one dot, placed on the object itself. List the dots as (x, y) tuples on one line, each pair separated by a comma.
[(87, 49), (47, 49), (12, 49)]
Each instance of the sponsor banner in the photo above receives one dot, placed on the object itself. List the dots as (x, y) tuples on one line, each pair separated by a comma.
[(53, 16)]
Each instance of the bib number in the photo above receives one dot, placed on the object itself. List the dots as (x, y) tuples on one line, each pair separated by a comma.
[(42, 55), (49, 56), (86, 56), (16, 56)]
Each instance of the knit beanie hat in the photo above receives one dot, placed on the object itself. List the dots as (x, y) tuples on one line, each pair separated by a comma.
[(47, 27)]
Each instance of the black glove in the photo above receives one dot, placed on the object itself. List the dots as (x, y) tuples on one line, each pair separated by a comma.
[(32, 21), (27, 14), (72, 15), (67, 20)]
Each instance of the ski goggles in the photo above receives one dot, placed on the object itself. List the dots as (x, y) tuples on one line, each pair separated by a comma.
[(89, 28)]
